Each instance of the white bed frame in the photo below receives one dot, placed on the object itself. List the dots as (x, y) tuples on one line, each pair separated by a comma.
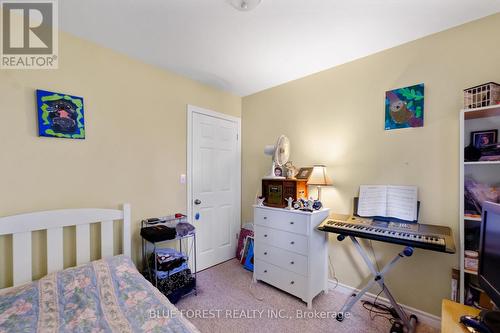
[(21, 226)]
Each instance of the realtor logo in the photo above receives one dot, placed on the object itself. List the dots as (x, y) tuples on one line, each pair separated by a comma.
[(29, 34)]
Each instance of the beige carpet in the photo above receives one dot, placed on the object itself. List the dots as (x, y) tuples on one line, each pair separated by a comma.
[(228, 302)]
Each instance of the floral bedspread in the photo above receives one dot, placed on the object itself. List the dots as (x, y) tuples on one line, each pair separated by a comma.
[(107, 295)]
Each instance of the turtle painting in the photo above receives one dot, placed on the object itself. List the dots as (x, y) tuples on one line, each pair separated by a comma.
[(404, 107), (60, 115)]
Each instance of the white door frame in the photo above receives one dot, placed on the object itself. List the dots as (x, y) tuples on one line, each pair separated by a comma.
[(191, 110)]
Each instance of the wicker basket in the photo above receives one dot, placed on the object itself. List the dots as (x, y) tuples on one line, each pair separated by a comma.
[(480, 96)]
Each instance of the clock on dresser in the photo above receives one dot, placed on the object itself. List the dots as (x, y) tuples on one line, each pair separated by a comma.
[(289, 253)]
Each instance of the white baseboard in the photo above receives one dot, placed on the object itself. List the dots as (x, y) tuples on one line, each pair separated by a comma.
[(423, 317)]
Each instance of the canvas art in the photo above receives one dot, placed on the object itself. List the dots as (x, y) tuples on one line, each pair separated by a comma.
[(60, 115), (404, 107)]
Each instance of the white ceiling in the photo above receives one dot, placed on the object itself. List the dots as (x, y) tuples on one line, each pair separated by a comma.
[(279, 41)]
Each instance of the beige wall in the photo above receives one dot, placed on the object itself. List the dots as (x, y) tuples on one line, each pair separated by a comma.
[(135, 149), (336, 118)]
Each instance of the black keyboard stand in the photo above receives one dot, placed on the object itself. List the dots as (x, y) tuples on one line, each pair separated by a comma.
[(409, 322)]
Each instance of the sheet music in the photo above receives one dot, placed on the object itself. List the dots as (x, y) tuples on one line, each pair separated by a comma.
[(372, 200), (402, 202), (389, 201)]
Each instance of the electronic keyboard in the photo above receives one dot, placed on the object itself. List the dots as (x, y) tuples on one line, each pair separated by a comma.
[(424, 236)]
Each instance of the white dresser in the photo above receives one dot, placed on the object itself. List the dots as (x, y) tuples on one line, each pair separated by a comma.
[(289, 252)]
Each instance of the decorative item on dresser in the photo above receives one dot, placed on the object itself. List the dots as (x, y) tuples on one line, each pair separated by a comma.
[(304, 173), (290, 253), (276, 191), (291, 170)]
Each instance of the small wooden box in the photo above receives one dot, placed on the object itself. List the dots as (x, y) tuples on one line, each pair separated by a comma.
[(276, 191)]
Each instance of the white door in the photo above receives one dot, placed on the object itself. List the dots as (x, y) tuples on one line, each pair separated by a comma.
[(215, 185)]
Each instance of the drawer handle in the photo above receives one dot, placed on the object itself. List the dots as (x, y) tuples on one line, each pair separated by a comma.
[(291, 263), (265, 235), (292, 222), (265, 253), (265, 271), (292, 282), (292, 242)]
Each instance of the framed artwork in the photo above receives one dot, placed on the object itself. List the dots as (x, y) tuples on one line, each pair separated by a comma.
[(60, 115), (304, 173), (479, 139), (404, 107), (278, 171)]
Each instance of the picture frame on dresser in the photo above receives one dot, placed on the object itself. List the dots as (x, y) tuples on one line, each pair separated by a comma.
[(304, 173), (289, 252)]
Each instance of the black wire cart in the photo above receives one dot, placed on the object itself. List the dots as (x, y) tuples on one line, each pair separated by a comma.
[(186, 245)]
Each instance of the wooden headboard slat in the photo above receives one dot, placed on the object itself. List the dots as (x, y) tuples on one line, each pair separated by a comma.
[(107, 238), (21, 246), (55, 250), (82, 243)]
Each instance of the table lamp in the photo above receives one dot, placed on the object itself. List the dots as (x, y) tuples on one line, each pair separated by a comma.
[(319, 178)]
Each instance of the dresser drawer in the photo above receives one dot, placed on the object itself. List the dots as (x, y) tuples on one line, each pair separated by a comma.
[(282, 220), (282, 239), (285, 259), (290, 282)]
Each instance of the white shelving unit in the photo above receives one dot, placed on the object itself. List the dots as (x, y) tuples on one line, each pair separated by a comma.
[(483, 171)]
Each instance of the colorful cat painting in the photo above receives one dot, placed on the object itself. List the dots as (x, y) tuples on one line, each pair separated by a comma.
[(60, 115), (404, 107)]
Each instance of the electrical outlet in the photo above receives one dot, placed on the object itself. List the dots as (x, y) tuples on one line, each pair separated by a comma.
[(183, 179)]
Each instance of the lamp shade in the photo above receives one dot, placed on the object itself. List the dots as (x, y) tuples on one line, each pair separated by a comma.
[(319, 177)]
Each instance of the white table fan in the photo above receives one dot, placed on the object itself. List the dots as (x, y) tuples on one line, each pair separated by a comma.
[(280, 153)]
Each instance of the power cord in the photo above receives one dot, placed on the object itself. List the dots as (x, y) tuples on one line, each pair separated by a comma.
[(333, 274), (383, 311), (377, 309), (252, 292)]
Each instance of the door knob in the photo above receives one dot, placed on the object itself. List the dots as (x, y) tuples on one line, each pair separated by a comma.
[(197, 202)]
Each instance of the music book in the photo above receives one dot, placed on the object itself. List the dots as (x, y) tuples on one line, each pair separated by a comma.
[(399, 202)]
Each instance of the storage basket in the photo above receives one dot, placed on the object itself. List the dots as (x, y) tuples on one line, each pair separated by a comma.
[(483, 95)]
